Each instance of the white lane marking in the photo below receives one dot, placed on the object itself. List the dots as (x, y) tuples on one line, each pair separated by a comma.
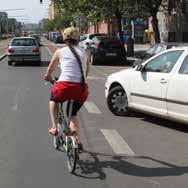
[(49, 51), (95, 78), (15, 103), (117, 143), (92, 108)]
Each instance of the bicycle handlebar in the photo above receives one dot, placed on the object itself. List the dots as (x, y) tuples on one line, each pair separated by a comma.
[(52, 81)]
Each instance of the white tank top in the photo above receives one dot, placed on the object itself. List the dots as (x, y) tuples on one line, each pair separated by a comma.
[(70, 70)]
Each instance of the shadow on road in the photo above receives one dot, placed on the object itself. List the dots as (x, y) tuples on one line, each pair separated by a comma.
[(95, 168), (32, 64), (157, 121)]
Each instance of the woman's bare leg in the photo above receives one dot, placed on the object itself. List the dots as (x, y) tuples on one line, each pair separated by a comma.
[(53, 113), (74, 125)]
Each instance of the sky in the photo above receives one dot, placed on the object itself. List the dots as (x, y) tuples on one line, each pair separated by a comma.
[(30, 11)]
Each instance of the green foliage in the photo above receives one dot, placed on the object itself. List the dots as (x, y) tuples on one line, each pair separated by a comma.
[(48, 26)]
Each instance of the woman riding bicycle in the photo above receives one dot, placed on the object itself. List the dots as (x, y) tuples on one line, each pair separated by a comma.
[(69, 85)]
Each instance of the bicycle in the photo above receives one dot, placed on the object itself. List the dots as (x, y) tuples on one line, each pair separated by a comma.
[(66, 138)]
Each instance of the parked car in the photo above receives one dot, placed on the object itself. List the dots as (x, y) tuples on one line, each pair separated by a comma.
[(107, 50), (59, 40), (24, 49), (155, 49), (53, 35), (85, 39), (158, 87)]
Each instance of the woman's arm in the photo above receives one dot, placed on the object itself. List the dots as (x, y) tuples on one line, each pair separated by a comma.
[(52, 66)]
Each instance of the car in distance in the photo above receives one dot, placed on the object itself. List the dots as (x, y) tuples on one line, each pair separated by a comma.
[(86, 38), (59, 40), (155, 49), (107, 50), (37, 38), (24, 49), (158, 86)]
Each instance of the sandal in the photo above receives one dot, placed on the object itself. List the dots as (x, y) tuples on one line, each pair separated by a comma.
[(80, 147), (53, 131)]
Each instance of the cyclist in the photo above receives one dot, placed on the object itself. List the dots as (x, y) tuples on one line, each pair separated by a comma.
[(69, 85)]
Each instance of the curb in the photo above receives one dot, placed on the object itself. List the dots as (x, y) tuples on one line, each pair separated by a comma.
[(3, 56)]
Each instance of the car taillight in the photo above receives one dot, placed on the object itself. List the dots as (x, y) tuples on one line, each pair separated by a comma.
[(97, 45), (35, 49), (10, 50)]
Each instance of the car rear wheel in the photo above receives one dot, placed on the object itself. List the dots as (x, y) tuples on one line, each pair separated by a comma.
[(117, 101), (39, 63), (9, 63)]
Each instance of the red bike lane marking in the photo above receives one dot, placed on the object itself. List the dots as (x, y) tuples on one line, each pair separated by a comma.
[(52, 48)]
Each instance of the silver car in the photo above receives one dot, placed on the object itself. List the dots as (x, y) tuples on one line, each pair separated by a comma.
[(24, 49)]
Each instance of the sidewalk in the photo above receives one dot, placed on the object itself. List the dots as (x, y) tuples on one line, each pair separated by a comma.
[(3, 48), (3, 53), (138, 50)]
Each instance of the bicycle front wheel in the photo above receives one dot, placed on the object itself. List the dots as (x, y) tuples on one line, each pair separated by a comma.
[(56, 142), (72, 156)]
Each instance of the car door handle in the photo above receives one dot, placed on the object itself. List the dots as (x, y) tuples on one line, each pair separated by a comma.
[(163, 81)]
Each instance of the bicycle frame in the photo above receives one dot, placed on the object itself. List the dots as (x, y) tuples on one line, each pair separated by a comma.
[(62, 121), (69, 142)]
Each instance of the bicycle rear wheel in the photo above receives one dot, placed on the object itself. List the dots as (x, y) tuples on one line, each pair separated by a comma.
[(72, 156)]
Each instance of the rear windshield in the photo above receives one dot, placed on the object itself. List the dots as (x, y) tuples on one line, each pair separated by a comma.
[(98, 34), (23, 42), (111, 43)]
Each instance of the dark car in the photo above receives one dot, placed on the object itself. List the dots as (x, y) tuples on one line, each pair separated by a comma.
[(155, 49), (107, 50), (59, 40)]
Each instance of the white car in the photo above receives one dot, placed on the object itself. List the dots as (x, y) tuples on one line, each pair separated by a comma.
[(85, 39), (159, 86)]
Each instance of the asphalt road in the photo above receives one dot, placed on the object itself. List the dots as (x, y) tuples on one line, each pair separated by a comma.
[(133, 152)]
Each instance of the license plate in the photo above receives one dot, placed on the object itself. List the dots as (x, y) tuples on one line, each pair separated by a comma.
[(110, 54)]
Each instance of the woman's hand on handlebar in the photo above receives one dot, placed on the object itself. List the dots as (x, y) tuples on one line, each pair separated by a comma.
[(48, 78)]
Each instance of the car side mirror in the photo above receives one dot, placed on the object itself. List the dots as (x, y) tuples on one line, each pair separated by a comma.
[(140, 68)]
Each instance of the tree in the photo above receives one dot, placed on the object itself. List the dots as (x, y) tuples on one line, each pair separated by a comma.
[(96, 10), (48, 26)]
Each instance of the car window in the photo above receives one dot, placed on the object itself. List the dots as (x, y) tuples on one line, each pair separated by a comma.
[(23, 42), (163, 63), (184, 66), (94, 40), (158, 49), (98, 34), (151, 50), (113, 44)]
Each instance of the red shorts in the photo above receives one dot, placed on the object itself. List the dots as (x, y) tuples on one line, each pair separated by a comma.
[(62, 91)]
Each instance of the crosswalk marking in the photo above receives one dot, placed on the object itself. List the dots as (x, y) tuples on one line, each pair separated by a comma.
[(92, 108), (117, 143)]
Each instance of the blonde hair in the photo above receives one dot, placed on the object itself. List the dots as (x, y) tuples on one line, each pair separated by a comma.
[(71, 33)]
